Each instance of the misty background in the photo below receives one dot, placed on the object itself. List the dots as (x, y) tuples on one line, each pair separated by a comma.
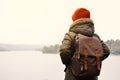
[(46, 21)]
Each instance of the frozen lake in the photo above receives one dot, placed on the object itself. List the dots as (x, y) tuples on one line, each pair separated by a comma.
[(32, 65)]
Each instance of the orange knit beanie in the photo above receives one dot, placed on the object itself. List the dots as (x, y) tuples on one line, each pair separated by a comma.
[(80, 13)]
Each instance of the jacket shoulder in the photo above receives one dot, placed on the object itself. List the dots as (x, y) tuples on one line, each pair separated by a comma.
[(96, 35), (71, 35)]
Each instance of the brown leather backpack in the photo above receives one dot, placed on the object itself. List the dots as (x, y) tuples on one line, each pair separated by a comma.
[(86, 60)]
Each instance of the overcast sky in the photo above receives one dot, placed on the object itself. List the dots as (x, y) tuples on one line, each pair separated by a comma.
[(46, 21)]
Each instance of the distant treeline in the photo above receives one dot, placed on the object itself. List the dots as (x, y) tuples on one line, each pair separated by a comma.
[(114, 46), (51, 49)]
